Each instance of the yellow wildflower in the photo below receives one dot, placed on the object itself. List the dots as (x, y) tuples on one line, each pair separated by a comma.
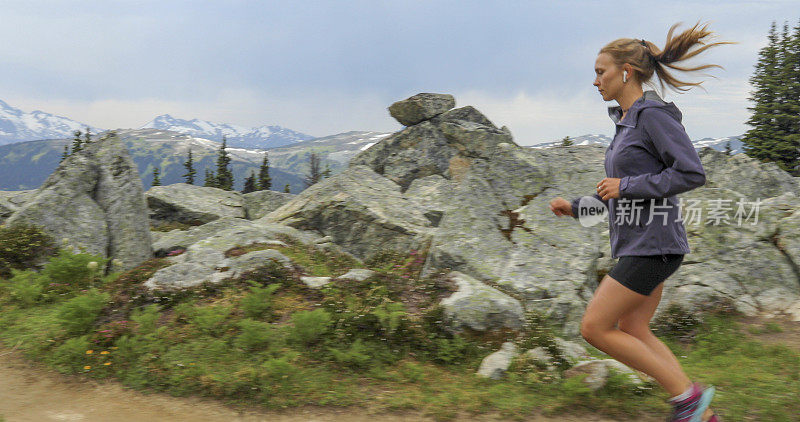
[(107, 363), (104, 352), (87, 367), (89, 352)]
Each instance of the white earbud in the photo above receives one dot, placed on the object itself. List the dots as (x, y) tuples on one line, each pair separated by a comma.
[(624, 77)]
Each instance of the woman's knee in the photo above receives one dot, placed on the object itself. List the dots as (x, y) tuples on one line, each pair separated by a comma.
[(591, 329), (642, 332)]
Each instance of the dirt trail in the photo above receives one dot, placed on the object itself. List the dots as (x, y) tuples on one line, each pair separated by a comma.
[(32, 393)]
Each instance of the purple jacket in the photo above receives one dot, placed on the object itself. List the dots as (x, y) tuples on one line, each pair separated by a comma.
[(655, 160)]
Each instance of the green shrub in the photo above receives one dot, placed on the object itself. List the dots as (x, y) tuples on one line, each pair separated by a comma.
[(26, 287), (70, 357), (356, 356), (146, 319), (76, 271), (22, 247), (211, 320), (412, 372), (258, 303), (309, 326), (390, 315), (77, 315), (254, 335)]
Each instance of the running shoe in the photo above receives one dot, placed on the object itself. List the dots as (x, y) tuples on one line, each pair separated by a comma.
[(692, 408)]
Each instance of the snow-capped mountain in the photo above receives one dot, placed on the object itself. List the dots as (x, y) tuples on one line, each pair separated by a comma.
[(18, 126), (718, 144), (262, 137)]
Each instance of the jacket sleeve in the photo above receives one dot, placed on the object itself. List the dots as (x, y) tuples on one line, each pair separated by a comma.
[(683, 171), (576, 202)]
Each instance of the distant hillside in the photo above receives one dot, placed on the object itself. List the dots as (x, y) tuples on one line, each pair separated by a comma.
[(715, 143), (26, 165), (19, 126), (262, 137)]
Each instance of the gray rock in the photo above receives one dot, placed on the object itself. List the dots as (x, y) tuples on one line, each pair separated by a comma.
[(598, 372), (495, 365), (361, 211), (260, 203), (190, 204), (541, 355), (420, 107), (315, 282), (12, 201), (94, 200), (358, 274), (479, 307)]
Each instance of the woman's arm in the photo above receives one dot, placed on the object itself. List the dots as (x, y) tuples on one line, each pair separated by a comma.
[(684, 171)]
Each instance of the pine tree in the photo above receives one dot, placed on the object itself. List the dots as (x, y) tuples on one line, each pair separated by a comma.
[(156, 180), (314, 173), (286, 189), (566, 142), (76, 141), (728, 148), (264, 180), (211, 180), (224, 174), (327, 173), (250, 183), (66, 153), (87, 137), (775, 133), (189, 166)]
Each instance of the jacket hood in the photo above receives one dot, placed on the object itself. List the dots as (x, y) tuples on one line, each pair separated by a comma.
[(648, 100)]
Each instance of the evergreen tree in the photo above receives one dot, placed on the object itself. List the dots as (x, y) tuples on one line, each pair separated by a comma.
[(566, 142), (775, 133), (211, 180), (264, 180), (314, 174), (66, 153), (728, 148), (286, 189), (250, 183), (327, 173), (76, 141), (224, 174), (87, 136), (156, 180), (189, 166)]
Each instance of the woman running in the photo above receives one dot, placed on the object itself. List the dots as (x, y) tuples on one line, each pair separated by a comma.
[(650, 160)]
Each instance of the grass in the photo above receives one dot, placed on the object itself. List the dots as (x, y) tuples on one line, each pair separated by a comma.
[(268, 339)]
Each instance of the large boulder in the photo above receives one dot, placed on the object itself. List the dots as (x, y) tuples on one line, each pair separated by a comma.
[(360, 210), (260, 203), (420, 107), (190, 204), (202, 254), (94, 202), (12, 201)]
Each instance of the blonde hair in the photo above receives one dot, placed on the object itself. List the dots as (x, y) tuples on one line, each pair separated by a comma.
[(646, 58)]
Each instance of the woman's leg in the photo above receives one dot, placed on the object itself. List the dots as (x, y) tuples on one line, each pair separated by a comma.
[(611, 302), (637, 323)]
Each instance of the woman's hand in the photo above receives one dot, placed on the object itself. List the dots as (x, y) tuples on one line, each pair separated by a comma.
[(561, 206), (608, 188)]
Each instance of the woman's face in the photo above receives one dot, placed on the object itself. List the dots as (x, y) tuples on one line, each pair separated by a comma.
[(609, 77)]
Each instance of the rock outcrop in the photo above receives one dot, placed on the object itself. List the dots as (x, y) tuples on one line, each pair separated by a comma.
[(12, 201), (190, 204), (454, 183), (95, 201)]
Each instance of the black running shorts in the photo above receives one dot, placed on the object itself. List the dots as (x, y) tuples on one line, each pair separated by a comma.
[(644, 273)]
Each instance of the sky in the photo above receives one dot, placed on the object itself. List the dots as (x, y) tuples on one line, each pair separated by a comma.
[(327, 67)]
